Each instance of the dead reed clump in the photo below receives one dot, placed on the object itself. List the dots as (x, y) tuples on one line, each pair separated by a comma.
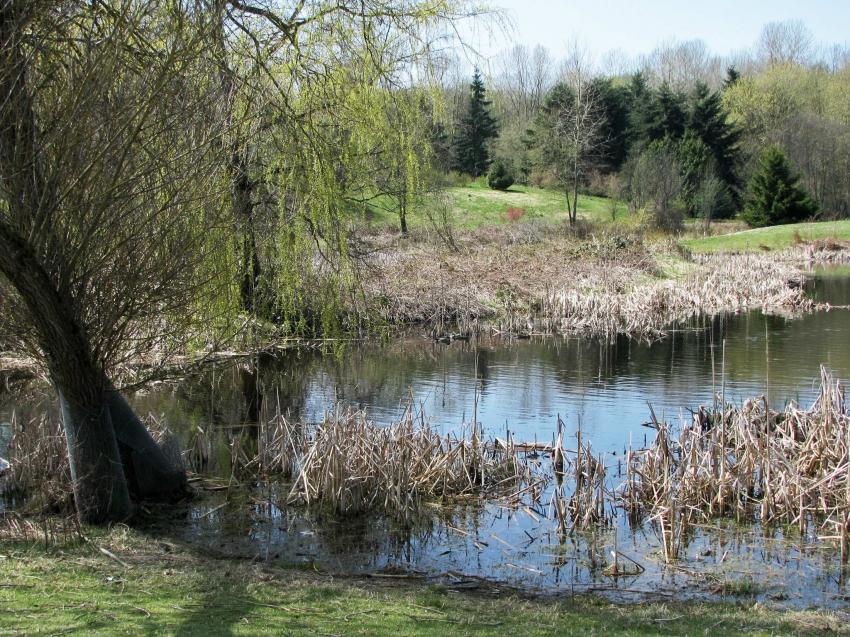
[(49, 529), (595, 284), (716, 284), (789, 467), (354, 466), (584, 508), (39, 476), (273, 448)]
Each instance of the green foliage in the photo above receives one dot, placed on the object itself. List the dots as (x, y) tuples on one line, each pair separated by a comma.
[(709, 122), (774, 195), (614, 103), (476, 129), (694, 160), (732, 76), (806, 112), (655, 115), (670, 113), (500, 176)]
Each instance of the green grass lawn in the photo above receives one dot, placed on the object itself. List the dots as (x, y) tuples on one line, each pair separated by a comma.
[(774, 237), (162, 588), (476, 204)]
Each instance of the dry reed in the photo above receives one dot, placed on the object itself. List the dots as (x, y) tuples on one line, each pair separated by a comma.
[(788, 467), (601, 287), (354, 466), (38, 473)]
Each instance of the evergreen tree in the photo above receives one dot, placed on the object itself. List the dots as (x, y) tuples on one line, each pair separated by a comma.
[(614, 107), (671, 108), (774, 195), (477, 128), (643, 114), (709, 123), (732, 76), (654, 115), (700, 178), (500, 176)]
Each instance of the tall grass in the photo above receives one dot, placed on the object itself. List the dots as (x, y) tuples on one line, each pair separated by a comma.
[(353, 466), (789, 467)]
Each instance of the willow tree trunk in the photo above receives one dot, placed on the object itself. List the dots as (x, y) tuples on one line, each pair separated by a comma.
[(97, 473), (105, 440), (111, 453), (151, 474)]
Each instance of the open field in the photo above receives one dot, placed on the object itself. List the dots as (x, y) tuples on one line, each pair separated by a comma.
[(476, 204), (774, 237), (155, 586)]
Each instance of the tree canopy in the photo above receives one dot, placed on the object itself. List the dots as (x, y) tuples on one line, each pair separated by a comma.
[(774, 195), (475, 130)]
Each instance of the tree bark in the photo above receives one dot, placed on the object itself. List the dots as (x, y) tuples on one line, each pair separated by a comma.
[(97, 474), (150, 473), (402, 214)]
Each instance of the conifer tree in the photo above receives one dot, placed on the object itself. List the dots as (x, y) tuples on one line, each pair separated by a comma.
[(774, 195), (671, 107), (477, 128), (732, 77), (655, 115), (708, 121)]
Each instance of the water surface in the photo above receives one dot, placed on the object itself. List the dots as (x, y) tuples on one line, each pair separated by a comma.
[(520, 385)]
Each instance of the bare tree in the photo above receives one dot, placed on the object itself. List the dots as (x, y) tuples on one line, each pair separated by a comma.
[(837, 57), (654, 183), (710, 197), (107, 169), (788, 42), (578, 127), (617, 63), (524, 76), (683, 64)]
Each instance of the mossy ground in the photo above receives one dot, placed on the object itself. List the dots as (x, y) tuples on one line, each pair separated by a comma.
[(163, 588)]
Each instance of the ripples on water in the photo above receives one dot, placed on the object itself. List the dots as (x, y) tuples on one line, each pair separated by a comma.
[(523, 386)]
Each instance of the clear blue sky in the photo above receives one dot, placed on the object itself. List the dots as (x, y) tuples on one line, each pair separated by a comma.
[(636, 26)]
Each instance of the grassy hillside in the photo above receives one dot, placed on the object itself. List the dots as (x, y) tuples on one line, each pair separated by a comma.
[(775, 237), (475, 204)]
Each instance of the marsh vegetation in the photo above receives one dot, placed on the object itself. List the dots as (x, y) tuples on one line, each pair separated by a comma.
[(278, 283)]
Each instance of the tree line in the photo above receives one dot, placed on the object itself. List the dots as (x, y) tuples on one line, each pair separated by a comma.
[(676, 145)]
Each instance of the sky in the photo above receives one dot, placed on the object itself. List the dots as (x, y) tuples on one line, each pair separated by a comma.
[(637, 26)]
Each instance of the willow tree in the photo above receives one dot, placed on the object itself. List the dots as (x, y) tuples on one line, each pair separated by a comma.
[(108, 216), (320, 88)]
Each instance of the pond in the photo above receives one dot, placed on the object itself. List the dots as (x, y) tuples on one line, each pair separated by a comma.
[(523, 386)]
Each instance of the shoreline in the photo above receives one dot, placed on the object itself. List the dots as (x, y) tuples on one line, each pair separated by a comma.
[(600, 288), (154, 584), (583, 290)]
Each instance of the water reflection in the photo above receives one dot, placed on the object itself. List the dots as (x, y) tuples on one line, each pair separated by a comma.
[(522, 386), (517, 547)]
